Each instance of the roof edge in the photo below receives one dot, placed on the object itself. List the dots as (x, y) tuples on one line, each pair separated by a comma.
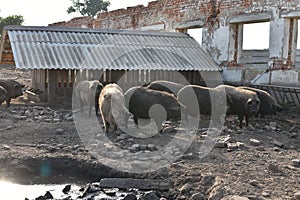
[(92, 30)]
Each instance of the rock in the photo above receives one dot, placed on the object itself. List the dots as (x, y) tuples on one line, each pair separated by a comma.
[(150, 196), (296, 162), (151, 147), (122, 137), (265, 194), (297, 195), (66, 189), (168, 129), (274, 168), (143, 147), (41, 198), (56, 120), (293, 135), (6, 147), (254, 183), (86, 191), (222, 142), (111, 192), (59, 131), (136, 146), (272, 126), (234, 197), (48, 195), (232, 146), (185, 188), (260, 148), (197, 196), (48, 120), (276, 149), (143, 184), (130, 197), (254, 142), (278, 143)]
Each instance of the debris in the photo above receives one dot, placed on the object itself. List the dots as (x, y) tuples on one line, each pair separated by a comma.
[(66, 189), (59, 131), (265, 194), (278, 143), (296, 162), (273, 168), (254, 142), (297, 196), (197, 196), (125, 183), (185, 188)]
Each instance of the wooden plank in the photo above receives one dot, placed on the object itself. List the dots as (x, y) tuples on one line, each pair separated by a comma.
[(52, 77), (42, 79), (127, 183), (64, 78)]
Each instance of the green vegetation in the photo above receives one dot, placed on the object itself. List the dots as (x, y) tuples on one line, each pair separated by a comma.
[(88, 7)]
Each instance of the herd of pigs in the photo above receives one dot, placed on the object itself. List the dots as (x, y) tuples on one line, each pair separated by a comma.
[(178, 101)]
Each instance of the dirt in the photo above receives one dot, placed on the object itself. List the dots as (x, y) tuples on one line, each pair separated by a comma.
[(48, 149)]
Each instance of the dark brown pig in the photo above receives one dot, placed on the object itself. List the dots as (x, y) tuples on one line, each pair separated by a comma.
[(268, 104), (3, 94), (14, 89), (112, 107), (141, 100), (201, 100), (244, 103), (165, 86)]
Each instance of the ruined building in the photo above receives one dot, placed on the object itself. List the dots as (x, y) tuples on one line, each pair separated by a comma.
[(222, 23)]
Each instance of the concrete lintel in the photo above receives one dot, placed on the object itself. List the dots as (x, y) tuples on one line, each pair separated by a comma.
[(155, 27), (248, 18), (189, 24), (291, 14)]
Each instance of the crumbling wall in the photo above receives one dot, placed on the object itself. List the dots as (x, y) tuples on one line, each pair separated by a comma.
[(221, 21)]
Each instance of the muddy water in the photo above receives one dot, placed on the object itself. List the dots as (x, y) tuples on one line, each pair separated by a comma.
[(14, 191)]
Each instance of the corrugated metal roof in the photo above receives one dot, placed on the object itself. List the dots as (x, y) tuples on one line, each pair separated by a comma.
[(74, 48)]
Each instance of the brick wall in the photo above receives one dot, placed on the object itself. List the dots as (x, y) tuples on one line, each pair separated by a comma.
[(170, 12), (78, 22)]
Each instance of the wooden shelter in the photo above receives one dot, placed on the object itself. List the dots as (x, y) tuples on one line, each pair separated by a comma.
[(60, 56)]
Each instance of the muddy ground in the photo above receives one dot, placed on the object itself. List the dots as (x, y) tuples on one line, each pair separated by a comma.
[(40, 144)]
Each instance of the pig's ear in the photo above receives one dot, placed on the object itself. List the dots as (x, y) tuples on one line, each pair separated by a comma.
[(16, 86)]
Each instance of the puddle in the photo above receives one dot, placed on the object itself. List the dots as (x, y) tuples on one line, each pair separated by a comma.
[(14, 191)]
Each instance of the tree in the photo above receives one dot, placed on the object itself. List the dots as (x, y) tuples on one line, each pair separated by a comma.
[(88, 7), (10, 20)]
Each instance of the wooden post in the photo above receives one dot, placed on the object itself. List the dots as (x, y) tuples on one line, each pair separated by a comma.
[(52, 77)]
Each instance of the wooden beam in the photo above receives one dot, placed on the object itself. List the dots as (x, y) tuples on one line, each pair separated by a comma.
[(52, 77)]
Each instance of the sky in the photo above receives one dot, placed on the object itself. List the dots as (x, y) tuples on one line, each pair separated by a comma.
[(44, 12)]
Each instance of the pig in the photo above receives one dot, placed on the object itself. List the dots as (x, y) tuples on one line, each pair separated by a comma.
[(112, 107), (86, 92), (97, 94), (140, 100), (268, 104), (3, 94), (244, 103), (166, 86), (201, 100), (14, 89)]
